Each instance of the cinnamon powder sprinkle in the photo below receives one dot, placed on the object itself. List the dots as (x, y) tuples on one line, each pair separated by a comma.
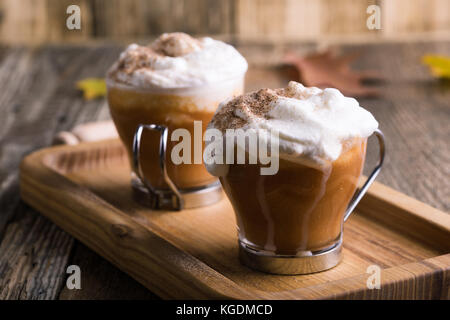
[(144, 57), (140, 58), (254, 105)]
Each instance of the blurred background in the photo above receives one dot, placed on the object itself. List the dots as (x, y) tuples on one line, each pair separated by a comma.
[(264, 21)]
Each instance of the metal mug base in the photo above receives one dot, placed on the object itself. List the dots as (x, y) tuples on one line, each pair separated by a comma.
[(290, 264), (165, 199)]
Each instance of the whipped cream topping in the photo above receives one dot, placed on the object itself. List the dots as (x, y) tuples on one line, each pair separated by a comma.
[(176, 60), (314, 125)]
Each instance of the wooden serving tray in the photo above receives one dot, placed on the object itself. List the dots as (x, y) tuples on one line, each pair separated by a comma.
[(85, 189)]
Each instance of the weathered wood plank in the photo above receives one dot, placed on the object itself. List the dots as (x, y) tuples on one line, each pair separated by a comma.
[(38, 99), (34, 255), (101, 280)]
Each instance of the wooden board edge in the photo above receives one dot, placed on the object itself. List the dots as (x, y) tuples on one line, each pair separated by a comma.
[(407, 215), (41, 186), (427, 279), (413, 206)]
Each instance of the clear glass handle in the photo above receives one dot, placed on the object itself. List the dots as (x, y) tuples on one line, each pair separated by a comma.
[(176, 196), (361, 192)]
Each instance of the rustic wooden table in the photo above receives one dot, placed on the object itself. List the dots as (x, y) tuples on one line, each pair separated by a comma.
[(38, 99)]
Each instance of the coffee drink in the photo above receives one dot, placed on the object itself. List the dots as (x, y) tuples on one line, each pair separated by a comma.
[(299, 210), (172, 82)]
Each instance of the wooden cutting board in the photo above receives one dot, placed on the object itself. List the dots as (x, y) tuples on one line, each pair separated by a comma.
[(85, 189)]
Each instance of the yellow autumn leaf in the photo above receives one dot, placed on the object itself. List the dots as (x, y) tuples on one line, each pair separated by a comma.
[(92, 87), (439, 65)]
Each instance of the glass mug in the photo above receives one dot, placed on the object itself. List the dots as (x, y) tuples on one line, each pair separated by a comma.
[(145, 119), (292, 222)]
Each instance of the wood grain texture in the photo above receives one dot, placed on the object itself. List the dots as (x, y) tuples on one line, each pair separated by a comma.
[(403, 16), (34, 251), (121, 232), (301, 19), (102, 281), (193, 253), (272, 21), (30, 240), (38, 99)]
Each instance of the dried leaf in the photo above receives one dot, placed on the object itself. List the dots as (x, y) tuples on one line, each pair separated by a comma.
[(326, 69), (92, 88), (439, 65)]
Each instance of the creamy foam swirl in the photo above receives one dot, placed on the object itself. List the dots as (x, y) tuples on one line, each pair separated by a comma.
[(313, 124), (176, 60)]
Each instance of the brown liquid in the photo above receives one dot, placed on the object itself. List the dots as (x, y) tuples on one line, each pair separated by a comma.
[(130, 108), (298, 209)]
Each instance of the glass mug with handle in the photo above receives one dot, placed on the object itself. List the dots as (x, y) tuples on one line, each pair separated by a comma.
[(292, 222), (155, 90)]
